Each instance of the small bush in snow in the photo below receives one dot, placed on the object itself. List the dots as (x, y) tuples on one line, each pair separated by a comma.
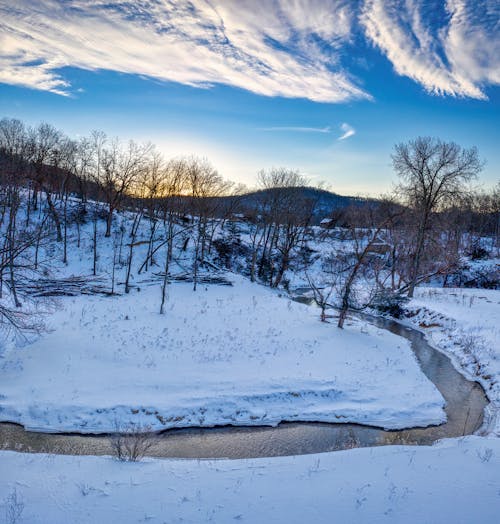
[(485, 456), (131, 443), (478, 253), (14, 507), (467, 343), (389, 302)]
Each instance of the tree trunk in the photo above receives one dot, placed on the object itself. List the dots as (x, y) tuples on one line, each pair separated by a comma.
[(95, 246), (65, 257), (418, 253), (12, 227), (54, 214), (109, 222), (168, 257), (281, 271)]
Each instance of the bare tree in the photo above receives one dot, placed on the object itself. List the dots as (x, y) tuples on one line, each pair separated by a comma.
[(362, 255), (205, 186), (82, 167), (284, 214), (173, 186), (44, 143), (321, 294), (152, 183), (116, 170), (432, 173)]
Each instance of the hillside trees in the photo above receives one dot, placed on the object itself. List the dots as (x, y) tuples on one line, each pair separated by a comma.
[(17, 236), (117, 168), (13, 147), (50, 184), (205, 187), (44, 155), (284, 213)]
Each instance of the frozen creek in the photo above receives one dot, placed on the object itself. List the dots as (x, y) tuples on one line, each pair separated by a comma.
[(465, 404)]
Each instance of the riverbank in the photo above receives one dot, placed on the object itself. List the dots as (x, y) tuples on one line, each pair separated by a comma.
[(223, 355), (465, 403), (464, 324)]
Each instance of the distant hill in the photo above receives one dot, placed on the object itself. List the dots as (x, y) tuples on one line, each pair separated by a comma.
[(325, 201)]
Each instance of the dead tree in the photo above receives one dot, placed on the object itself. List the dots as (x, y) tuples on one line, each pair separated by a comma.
[(321, 293)]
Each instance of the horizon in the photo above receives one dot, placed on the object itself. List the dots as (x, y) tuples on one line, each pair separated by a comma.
[(327, 91)]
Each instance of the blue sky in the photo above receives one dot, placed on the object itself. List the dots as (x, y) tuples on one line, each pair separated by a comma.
[(324, 87)]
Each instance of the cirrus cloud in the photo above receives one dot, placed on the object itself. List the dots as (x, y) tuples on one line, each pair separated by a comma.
[(456, 55), (298, 129), (269, 48), (288, 48)]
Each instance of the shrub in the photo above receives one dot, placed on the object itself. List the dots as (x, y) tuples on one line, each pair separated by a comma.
[(390, 303), (478, 253), (132, 442), (14, 507)]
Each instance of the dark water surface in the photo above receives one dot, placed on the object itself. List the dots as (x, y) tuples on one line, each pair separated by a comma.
[(465, 403)]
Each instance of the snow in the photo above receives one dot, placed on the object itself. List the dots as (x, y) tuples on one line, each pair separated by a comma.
[(465, 324), (238, 355), (456, 480), (243, 355)]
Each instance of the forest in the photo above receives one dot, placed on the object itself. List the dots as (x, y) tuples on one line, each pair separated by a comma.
[(351, 252)]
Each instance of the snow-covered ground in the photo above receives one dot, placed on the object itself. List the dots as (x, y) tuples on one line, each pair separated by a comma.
[(465, 323), (455, 481), (222, 355), (241, 355)]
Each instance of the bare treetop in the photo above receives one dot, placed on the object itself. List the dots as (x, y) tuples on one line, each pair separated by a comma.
[(432, 171)]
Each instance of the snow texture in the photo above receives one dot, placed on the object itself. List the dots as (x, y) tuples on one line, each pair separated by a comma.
[(237, 355), (454, 481)]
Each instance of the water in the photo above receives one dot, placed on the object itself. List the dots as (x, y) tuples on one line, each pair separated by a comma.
[(465, 403)]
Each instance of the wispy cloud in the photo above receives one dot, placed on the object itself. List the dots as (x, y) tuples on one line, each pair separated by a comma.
[(269, 48), (456, 57), (298, 129), (272, 48), (347, 131)]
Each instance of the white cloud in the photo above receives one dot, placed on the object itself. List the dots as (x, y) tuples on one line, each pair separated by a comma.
[(289, 48), (456, 58), (269, 48), (347, 131), (298, 129)]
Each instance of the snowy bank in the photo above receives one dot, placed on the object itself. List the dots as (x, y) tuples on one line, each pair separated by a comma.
[(456, 480), (465, 323), (236, 355)]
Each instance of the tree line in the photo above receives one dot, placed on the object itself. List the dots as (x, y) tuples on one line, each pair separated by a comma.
[(50, 183)]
